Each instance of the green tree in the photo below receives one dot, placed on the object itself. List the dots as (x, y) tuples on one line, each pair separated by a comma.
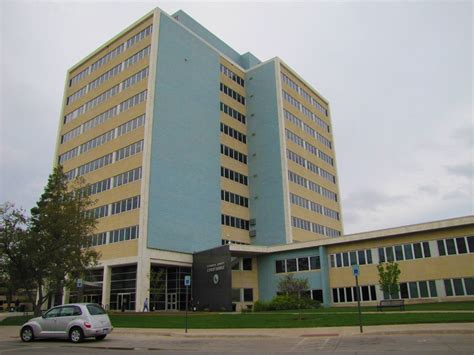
[(292, 286), (389, 274), (14, 261), (60, 230)]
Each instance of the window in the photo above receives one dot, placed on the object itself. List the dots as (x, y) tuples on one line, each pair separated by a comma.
[(469, 283), (417, 249), (248, 295), (229, 73), (398, 252), (95, 309), (461, 244), (413, 289), (247, 264), (408, 251), (423, 289), (389, 252), (235, 222), (303, 264), (448, 287), (361, 254), (382, 255), (441, 248), (470, 243), (345, 259), (458, 287), (280, 266), (291, 265), (315, 262), (353, 258), (451, 247), (231, 93), (236, 295)]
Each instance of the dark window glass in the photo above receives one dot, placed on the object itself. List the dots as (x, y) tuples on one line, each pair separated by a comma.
[(373, 294), (470, 243), (345, 259), (318, 295), (303, 264), (458, 288), (461, 244), (404, 290), (433, 291), (361, 255), (381, 255), (353, 257), (413, 289), (335, 299), (290, 265), (248, 294), (469, 283), (389, 252), (280, 266), (338, 260), (315, 262), (247, 263), (95, 309), (408, 252), (332, 260), (369, 256), (417, 249), (365, 293), (53, 313), (348, 294), (423, 289), (398, 253), (426, 249), (441, 248), (450, 246), (448, 287), (236, 295), (341, 295)]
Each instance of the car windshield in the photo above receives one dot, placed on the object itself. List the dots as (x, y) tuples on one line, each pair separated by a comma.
[(95, 309)]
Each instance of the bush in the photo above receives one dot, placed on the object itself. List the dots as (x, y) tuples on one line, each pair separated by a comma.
[(284, 302)]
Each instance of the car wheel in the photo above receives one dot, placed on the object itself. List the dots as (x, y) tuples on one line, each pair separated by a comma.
[(76, 335), (26, 334), (100, 337)]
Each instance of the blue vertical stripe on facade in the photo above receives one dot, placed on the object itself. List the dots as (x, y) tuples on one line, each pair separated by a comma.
[(184, 195)]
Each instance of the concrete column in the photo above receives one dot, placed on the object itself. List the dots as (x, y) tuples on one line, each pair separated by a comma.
[(106, 287), (325, 276), (143, 283)]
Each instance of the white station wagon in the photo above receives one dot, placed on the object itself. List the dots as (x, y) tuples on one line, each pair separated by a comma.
[(70, 321)]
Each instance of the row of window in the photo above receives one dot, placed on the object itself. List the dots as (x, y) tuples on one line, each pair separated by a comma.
[(313, 206), (298, 159), (110, 55), (104, 96), (227, 241), (229, 73), (296, 121), (232, 93), (236, 222), (310, 185), (232, 113), (116, 181), (305, 111), (303, 93), (129, 150), (405, 252), (105, 160), (313, 227), (242, 295), (309, 147), (453, 246), (459, 287), (357, 257), (242, 264), (234, 198), (234, 176), (125, 205), (233, 133), (349, 294), (234, 154), (305, 263), (115, 236), (102, 139)]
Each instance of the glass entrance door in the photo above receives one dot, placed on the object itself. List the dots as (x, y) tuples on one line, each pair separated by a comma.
[(171, 302), (123, 301)]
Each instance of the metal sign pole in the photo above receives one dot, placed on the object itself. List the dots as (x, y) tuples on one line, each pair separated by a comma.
[(358, 302), (187, 287)]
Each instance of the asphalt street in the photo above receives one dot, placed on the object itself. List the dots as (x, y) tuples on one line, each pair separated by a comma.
[(257, 341)]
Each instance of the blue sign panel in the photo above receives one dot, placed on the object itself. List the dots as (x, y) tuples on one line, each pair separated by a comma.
[(355, 270), (187, 280)]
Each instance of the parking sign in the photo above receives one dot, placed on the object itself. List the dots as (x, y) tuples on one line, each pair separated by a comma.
[(187, 280), (355, 270)]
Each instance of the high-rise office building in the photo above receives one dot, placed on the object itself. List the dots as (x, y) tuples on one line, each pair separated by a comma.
[(189, 145)]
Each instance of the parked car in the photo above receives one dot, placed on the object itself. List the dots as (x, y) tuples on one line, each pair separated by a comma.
[(70, 321)]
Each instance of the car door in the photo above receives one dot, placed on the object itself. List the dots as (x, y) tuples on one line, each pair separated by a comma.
[(68, 315), (48, 321)]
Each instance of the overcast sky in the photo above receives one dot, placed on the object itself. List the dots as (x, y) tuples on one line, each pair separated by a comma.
[(398, 76)]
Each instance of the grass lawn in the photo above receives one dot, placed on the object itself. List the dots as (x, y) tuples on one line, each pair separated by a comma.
[(316, 318)]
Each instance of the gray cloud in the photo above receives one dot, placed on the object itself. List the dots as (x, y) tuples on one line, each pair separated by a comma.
[(461, 170)]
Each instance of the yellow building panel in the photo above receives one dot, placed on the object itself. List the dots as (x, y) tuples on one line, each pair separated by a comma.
[(232, 84), (290, 108), (234, 165), (235, 187), (302, 171), (232, 122), (118, 250), (315, 217), (232, 67), (235, 234), (117, 194), (234, 143), (233, 103), (232, 209), (311, 157), (301, 235), (121, 220)]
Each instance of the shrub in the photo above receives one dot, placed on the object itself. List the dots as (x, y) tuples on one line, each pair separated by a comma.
[(285, 302)]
